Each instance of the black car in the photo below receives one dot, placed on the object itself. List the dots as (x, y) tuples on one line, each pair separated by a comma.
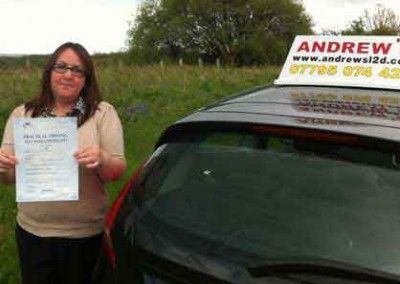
[(283, 184)]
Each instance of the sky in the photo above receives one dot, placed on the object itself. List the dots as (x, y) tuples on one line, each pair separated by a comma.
[(337, 14), (40, 26)]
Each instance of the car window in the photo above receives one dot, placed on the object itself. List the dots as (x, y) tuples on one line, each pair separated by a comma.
[(244, 197)]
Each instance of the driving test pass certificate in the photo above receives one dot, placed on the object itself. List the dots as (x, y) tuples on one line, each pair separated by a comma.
[(46, 168)]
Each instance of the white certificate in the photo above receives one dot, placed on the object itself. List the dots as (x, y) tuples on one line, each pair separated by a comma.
[(46, 169)]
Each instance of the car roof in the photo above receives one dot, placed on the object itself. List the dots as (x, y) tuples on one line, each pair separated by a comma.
[(366, 112)]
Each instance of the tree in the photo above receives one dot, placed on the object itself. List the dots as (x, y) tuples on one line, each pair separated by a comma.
[(236, 31), (383, 22)]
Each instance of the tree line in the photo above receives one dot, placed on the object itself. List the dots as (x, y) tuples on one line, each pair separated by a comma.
[(233, 32), (226, 32)]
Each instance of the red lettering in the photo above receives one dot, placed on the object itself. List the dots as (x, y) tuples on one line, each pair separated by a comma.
[(345, 47), (304, 47), (363, 47), (381, 47), (348, 46), (317, 46), (333, 46)]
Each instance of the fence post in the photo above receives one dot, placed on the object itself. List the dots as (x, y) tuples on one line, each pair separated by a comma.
[(180, 62), (27, 63), (218, 63), (200, 60), (162, 63)]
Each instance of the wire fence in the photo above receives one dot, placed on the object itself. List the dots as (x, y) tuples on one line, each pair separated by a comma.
[(38, 61)]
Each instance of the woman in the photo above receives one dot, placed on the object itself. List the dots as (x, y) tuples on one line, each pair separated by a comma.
[(58, 242)]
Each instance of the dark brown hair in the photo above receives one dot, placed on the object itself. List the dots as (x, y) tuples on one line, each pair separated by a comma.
[(90, 91)]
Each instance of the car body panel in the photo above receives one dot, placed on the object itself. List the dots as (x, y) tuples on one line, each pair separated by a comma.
[(374, 113)]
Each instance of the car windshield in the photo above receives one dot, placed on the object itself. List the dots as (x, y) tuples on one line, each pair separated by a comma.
[(246, 198)]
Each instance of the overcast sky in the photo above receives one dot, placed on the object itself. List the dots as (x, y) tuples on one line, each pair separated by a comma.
[(337, 14), (39, 26)]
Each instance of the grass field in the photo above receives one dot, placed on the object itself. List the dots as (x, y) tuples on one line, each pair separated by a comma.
[(147, 100)]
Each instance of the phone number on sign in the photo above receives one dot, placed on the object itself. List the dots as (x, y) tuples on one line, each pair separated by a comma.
[(346, 71)]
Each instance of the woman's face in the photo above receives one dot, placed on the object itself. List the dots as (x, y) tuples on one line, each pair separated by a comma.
[(67, 77)]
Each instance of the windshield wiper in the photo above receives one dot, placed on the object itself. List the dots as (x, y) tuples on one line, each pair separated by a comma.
[(322, 267)]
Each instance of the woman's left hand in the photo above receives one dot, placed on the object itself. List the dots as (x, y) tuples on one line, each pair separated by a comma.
[(90, 157)]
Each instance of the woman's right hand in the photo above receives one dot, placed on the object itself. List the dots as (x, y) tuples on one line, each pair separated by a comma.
[(7, 161)]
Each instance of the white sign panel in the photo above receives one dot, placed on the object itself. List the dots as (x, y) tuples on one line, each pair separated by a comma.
[(46, 169), (359, 61)]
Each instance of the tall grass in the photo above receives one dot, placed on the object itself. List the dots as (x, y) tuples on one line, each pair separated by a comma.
[(147, 99)]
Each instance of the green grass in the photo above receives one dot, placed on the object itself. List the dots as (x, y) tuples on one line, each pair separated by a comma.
[(147, 99)]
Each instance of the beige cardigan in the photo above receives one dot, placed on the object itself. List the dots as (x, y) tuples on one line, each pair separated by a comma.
[(85, 217)]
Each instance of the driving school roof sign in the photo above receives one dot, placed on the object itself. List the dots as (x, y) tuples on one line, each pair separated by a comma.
[(359, 61)]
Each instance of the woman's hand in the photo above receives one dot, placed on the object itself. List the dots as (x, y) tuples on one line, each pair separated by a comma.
[(7, 167), (93, 157), (90, 157), (7, 161)]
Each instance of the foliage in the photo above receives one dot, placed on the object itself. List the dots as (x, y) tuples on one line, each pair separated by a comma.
[(382, 22), (236, 31), (9, 62)]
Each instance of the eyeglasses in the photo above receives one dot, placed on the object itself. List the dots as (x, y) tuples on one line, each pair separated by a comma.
[(76, 71)]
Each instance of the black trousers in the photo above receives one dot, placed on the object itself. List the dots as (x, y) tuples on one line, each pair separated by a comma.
[(56, 260)]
